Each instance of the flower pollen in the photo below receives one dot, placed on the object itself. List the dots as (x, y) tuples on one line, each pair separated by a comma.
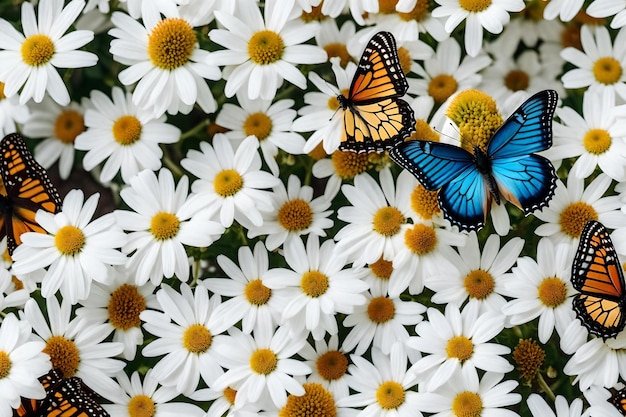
[(381, 310), (529, 357), (338, 50), (229, 395), (475, 6), (127, 130), (467, 404), (382, 269), (265, 47), (164, 226), (477, 116), (552, 292), (387, 221), (37, 50), (348, 165), (125, 306), (597, 141), (295, 215), (421, 239), (424, 202), (314, 283), (258, 124), (227, 183), (390, 395), (5, 364), (607, 70), (141, 405), (517, 80), (441, 87), (263, 361), (404, 58), (479, 284), (575, 216), (317, 401), (171, 43), (2, 96), (64, 355), (418, 14), (69, 240), (315, 15), (256, 293), (460, 347), (387, 6), (68, 125), (332, 365), (197, 338)]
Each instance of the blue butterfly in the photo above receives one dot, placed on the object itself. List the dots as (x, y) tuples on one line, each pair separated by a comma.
[(469, 182)]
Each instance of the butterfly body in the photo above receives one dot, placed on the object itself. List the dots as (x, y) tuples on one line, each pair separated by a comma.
[(468, 182), (598, 276), (375, 117)]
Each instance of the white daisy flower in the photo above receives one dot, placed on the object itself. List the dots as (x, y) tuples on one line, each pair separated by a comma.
[(162, 220), (377, 217), (530, 28), (187, 332), (138, 8), (269, 122), (358, 8), (124, 135), (165, 61), (231, 181), (383, 387), (601, 64), (380, 322), (262, 50), (252, 301), (76, 251), (334, 40), (294, 213), (118, 304), (574, 205), (563, 9), (598, 362), (261, 368), (10, 295), (606, 8), (317, 288), (491, 16), (539, 408), (458, 344), (329, 364), (75, 347), (466, 395), (57, 126), (30, 60), (136, 398), (11, 112), (597, 137), (22, 363), (480, 274)]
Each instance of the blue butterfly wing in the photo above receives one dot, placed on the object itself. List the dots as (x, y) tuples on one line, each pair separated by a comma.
[(527, 130), (466, 200)]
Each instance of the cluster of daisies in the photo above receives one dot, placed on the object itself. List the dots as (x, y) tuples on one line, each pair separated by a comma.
[(235, 263)]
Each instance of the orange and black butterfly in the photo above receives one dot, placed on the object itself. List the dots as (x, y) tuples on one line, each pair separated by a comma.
[(618, 399), (598, 276), (375, 118), (24, 189), (65, 397)]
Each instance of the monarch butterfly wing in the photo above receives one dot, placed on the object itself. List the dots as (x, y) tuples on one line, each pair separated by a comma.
[(72, 399), (528, 182), (598, 276), (375, 118), (28, 189), (527, 130), (32, 407), (618, 399)]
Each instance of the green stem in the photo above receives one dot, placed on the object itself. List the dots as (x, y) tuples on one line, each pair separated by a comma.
[(545, 387)]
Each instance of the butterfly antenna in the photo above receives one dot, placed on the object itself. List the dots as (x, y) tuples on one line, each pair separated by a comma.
[(455, 139)]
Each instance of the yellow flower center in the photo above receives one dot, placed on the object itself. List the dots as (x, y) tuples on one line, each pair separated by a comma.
[(479, 284), (127, 130), (171, 43), (5, 364), (404, 58), (332, 365), (390, 395), (229, 395), (534, 10), (467, 404), (477, 116), (570, 36), (387, 6), (69, 240), (2, 96), (19, 285), (68, 125), (607, 70), (575, 216), (419, 12), (340, 50), (529, 357), (381, 310), (141, 406), (460, 347), (263, 361), (315, 15), (387, 221), (421, 239), (318, 152), (317, 401), (164, 226), (475, 6), (441, 87), (124, 307), (37, 50), (295, 215), (259, 125), (314, 283), (256, 293), (265, 47), (348, 165), (423, 131), (382, 269), (552, 292), (424, 202), (517, 80), (597, 141), (197, 338), (64, 355), (227, 183)]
